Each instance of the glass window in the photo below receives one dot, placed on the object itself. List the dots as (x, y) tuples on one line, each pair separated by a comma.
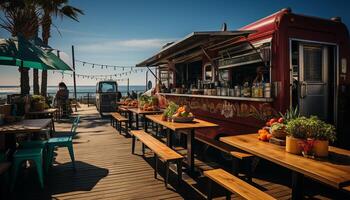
[(313, 64), (108, 87), (208, 73), (224, 75)]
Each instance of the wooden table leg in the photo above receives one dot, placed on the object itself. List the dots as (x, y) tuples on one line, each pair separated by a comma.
[(137, 121), (130, 119), (53, 125), (209, 188), (145, 123), (168, 138), (190, 152), (297, 185)]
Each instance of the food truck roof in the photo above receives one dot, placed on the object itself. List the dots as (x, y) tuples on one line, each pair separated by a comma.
[(190, 42), (262, 29)]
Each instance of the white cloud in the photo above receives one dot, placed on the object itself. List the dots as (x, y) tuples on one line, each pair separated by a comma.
[(123, 45)]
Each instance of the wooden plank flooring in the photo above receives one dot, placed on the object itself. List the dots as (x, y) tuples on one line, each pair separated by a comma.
[(106, 169)]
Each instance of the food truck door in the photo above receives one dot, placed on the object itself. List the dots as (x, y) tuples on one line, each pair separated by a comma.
[(313, 97)]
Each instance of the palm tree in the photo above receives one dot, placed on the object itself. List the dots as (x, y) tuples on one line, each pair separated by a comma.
[(20, 18), (54, 8)]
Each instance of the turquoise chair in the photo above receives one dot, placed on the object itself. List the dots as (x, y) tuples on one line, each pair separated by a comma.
[(22, 155), (66, 141)]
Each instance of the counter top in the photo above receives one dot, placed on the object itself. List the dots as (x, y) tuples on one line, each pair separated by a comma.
[(220, 97)]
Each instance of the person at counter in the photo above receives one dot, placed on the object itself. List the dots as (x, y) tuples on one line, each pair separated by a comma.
[(259, 75)]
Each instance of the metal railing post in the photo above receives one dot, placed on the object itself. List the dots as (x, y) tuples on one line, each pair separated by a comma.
[(88, 99)]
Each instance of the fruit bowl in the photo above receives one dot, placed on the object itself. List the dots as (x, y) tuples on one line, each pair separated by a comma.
[(183, 119)]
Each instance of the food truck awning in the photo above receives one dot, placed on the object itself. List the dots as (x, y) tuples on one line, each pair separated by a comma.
[(190, 42)]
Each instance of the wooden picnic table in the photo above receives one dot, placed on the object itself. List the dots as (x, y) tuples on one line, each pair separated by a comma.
[(125, 109), (138, 111), (47, 113), (333, 171), (185, 128), (26, 126)]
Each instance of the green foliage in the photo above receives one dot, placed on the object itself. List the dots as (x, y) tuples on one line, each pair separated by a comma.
[(278, 127), (296, 128), (171, 109), (144, 99), (320, 130), (37, 98), (290, 114), (314, 128)]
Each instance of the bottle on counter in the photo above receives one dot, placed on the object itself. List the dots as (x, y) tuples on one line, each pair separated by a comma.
[(246, 90), (267, 90), (237, 91), (261, 90), (254, 90)]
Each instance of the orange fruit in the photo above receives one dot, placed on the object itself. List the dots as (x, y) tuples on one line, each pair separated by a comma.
[(269, 136)]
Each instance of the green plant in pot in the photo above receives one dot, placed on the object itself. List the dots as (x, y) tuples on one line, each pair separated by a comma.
[(170, 110), (296, 134), (321, 133), (38, 103)]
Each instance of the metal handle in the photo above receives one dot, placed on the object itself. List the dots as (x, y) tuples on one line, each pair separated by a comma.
[(303, 90)]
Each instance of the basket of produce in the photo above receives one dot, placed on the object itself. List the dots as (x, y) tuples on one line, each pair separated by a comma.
[(278, 129), (183, 114), (148, 103)]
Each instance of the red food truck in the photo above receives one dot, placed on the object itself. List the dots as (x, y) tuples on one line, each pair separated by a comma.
[(240, 78)]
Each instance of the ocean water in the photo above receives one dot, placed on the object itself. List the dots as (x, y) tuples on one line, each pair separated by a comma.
[(81, 90)]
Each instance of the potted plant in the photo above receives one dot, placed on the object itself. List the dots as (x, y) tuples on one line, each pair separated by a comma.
[(296, 133), (322, 133), (38, 103), (170, 111)]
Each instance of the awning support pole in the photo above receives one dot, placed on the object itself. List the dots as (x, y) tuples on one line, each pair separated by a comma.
[(74, 80), (212, 63), (155, 76)]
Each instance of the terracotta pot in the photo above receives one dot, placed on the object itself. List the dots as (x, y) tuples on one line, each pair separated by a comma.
[(320, 148), (293, 145)]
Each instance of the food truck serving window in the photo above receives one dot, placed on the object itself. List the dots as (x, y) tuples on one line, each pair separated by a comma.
[(246, 63)]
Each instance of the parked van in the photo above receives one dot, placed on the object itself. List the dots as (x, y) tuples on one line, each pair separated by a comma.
[(106, 96)]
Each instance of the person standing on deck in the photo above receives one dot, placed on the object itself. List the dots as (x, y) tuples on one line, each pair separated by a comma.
[(61, 98)]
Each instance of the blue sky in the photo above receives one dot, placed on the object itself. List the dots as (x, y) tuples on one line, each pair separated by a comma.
[(126, 32)]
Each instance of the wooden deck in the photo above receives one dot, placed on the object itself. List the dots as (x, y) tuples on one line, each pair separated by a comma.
[(106, 169)]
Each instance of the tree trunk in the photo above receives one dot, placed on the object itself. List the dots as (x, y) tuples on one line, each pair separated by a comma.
[(25, 88), (46, 26), (36, 81)]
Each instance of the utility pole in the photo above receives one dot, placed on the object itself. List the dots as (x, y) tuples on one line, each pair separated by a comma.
[(127, 84), (74, 81)]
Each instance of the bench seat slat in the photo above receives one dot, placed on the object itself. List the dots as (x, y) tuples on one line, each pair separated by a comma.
[(224, 147), (236, 185), (162, 150), (118, 117)]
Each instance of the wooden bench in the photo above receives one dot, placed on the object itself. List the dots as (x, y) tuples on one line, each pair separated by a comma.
[(234, 184), (347, 189), (117, 120), (237, 155), (161, 151)]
